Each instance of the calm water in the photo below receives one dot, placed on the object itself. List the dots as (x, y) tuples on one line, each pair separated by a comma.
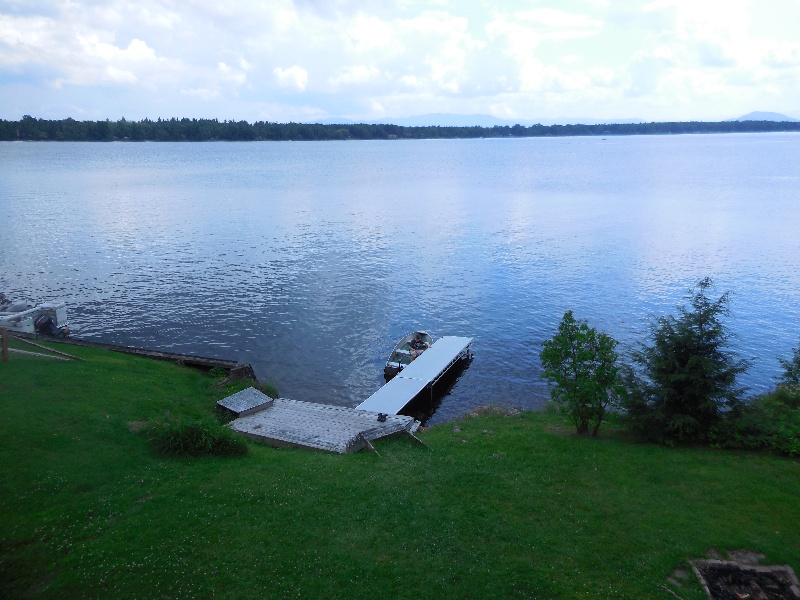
[(309, 260)]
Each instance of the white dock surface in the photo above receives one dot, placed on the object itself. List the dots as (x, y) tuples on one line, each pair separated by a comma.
[(319, 426), (414, 378)]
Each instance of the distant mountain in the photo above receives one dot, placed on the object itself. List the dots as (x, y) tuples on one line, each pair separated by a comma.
[(443, 120), (330, 121), (765, 116), (454, 120)]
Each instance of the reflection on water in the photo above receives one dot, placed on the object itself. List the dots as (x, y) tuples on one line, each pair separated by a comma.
[(310, 260), (427, 403)]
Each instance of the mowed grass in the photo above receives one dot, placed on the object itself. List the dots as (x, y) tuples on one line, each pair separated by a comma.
[(499, 507)]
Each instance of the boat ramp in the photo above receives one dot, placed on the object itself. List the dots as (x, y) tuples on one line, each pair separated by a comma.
[(284, 422)]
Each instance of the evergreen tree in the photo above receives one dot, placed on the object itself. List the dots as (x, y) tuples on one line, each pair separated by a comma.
[(791, 369), (688, 378)]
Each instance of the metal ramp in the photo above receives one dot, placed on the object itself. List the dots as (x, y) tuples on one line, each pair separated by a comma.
[(422, 373)]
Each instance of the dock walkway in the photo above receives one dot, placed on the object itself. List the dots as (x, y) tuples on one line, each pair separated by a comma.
[(285, 422), (422, 373)]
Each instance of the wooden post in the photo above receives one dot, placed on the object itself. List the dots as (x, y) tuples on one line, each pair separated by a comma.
[(4, 342)]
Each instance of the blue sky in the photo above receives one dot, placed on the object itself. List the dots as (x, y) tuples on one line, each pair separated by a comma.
[(301, 60)]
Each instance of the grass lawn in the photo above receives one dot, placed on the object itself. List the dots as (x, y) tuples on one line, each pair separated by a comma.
[(500, 507)]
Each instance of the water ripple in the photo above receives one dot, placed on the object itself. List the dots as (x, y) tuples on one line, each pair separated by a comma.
[(310, 260)]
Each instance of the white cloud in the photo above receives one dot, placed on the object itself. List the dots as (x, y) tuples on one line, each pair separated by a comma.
[(202, 93), (137, 50), (293, 77), (370, 34), (159, 16), (410, 81), (783, 55), (22, 38), (558, 23), (81, 57), (118, 75), (602, 77), (358, 74), (400, 57), (231, 75)]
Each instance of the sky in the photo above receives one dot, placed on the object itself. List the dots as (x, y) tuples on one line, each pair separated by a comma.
[(306, 60)]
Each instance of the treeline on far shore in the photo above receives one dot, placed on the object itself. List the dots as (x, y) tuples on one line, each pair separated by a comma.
[(202, 130)]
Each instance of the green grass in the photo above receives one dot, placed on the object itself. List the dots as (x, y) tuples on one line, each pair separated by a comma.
[(503, 507)]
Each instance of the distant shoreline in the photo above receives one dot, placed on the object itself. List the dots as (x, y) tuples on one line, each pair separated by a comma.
[(207, 130)]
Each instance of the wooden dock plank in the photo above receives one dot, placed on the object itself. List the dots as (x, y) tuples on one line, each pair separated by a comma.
[(319, 426)]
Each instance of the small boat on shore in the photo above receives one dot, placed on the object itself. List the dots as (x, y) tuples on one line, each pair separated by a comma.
[(404, 352), (48, 318)]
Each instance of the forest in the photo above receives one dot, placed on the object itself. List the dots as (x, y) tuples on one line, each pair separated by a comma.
[(205, 130)]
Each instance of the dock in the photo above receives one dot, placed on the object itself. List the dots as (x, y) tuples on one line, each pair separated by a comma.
[(284, 422), (421, 374)]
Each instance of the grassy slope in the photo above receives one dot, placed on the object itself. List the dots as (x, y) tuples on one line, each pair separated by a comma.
[(505, 507)]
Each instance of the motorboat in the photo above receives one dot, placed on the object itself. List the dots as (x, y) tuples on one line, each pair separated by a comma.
[(48, 318), (403, 353)]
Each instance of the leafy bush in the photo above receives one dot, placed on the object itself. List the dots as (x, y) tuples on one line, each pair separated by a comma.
[(218, 372), (582, 363), (200, 437), (791, 369), (770, 421)]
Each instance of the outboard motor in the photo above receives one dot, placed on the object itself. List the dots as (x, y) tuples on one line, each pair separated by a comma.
[(46, 325)]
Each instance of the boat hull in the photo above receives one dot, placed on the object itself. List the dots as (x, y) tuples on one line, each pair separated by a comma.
[(49, 318), (402, 355)]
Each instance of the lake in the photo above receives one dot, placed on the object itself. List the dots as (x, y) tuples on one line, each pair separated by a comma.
[(309, 260)]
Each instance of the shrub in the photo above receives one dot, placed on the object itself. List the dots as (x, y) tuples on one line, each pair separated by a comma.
[(218, 372), (791, 369), (200, 437), (266, 388), (770, 421), (582, 363)]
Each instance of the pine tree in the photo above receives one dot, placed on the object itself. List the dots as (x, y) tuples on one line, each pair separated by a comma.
[(688, 375)]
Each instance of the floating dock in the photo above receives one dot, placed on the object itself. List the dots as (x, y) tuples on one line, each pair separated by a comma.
[(422, 373), (285, 422)]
